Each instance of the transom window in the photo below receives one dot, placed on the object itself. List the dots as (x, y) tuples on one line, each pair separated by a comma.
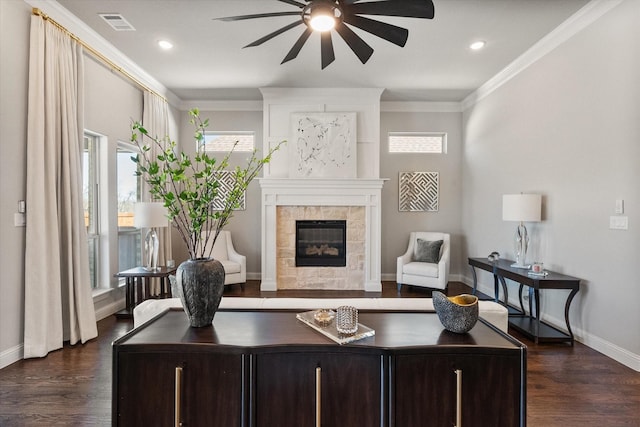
[(224, 141), (418, 142)]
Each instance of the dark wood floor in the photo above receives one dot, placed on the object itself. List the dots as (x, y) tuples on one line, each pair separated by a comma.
[(566, 386)]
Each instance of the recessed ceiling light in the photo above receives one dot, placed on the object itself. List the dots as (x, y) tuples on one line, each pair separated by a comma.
[(477, 45), (165, 44)]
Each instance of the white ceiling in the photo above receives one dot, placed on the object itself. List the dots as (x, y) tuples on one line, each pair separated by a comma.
[(208, 62)]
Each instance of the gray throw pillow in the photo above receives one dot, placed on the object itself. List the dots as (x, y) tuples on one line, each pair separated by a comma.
[(427, 251)]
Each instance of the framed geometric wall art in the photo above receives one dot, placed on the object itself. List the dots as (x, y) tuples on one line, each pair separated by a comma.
[(323, 145), (227, 181), (418, 191)]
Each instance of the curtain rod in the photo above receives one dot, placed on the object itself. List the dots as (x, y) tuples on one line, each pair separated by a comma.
[(95, 53)]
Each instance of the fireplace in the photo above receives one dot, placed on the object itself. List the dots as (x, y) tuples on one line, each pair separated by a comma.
[(321, 243), (285, 201)]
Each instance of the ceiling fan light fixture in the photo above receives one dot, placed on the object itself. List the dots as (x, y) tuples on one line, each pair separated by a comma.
[(341, 16), (322, 22), (321, 15)]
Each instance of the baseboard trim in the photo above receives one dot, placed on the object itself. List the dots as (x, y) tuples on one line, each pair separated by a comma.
[(391, 277), (254, 276), (613, 351), (605, 347), (11, 355), (109, 309)]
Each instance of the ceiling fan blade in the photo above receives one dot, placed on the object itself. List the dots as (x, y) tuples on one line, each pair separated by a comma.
[(394, 34), (297, 45), (257, 15), (406, 8), (326, 49), (362, 50), (293, 2), (275, 33)]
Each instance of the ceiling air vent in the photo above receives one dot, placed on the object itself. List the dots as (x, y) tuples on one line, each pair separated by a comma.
[(117, 21)]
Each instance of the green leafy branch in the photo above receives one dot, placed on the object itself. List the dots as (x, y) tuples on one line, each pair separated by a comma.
[(188, 187)]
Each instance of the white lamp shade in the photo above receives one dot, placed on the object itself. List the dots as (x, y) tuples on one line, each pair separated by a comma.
[(150, 215), (522, 207)]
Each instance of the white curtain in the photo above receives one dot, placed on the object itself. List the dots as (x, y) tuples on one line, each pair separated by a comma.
[(58, 301), (155, 119)]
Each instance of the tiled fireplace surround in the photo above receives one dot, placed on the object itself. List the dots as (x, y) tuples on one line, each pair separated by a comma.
[(291, 277), (355, 200)]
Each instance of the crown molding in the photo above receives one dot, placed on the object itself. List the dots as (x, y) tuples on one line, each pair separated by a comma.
[(420, 107), (580, 20), (81, 30), (385, 107), (208, 105)]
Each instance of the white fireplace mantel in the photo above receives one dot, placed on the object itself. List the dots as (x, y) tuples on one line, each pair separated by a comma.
[(365, 192)]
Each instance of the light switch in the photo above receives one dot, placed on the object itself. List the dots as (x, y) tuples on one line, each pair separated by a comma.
[(618, 222), (619, 206)]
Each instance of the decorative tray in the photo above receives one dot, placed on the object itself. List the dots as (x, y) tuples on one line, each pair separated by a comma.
[(330, 330)]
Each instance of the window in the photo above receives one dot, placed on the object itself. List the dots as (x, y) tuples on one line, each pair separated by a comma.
[(224, 141), (418, 142), (91, 203), (110, 190), (129, 238)]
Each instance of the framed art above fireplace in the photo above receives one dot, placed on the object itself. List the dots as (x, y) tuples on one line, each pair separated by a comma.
[(323, 145)]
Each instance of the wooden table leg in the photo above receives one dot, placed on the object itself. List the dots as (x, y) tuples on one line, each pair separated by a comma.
[(138, 298), (147, 288), (129, 293), (475, 280), (566, 312)]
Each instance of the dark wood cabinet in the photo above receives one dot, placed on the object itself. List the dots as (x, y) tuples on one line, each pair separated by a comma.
[(329, 389), (196, 388), (267, 369), (456, 389)]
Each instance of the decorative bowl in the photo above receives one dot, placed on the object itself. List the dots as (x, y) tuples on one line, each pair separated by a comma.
[(324, 317), (458, 313)]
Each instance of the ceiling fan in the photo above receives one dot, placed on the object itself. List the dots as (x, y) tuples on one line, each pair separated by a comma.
[(325, 15)]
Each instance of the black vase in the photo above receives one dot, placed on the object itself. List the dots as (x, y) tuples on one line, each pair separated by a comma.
[(200, 283)]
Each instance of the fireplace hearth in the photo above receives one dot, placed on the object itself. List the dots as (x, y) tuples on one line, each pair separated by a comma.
[(321, 243)]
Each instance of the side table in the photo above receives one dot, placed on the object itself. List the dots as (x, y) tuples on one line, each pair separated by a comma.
[(529, 324), (138, 286)]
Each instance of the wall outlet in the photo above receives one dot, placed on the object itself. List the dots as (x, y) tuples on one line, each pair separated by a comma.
[(19, 220), (619, 222)]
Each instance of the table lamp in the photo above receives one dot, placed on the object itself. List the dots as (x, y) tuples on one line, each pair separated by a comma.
[(150, 215), (522, 208)]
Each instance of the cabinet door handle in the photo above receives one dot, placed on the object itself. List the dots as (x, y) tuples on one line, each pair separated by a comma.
[(178, 397), (458, 397), (318, 397)]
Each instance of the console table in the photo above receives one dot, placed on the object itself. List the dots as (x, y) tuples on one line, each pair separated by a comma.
[(255, 368), (138, 286), (529, 324)]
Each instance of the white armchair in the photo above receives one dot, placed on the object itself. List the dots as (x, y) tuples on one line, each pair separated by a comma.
[(235, 265), (422, 265)]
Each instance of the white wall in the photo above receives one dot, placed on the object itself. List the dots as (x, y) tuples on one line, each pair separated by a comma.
[(397, 225), (14, 61), (109, 91), (568, 127)]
